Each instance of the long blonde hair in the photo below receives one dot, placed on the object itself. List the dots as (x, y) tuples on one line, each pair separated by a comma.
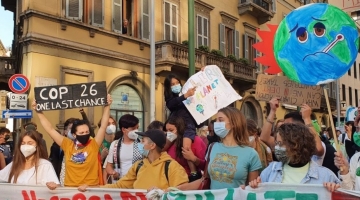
[(19, 160), (238, 125)]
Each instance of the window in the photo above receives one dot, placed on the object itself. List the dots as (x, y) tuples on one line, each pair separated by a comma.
[(249, 51), (355, 73), (356, 98), (97, 13), (74, 9), (273, 6), (248, 109), (349, 72), (229, 41), (350, 96), (333, 86), (127, 101), (343, 92), (202, 31), (170, 22), (117, 16)]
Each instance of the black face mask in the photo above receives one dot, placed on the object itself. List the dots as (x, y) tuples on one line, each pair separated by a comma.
[(7, 137), (83, 139)]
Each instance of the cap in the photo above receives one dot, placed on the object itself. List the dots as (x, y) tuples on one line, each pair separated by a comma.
[(157, 136)]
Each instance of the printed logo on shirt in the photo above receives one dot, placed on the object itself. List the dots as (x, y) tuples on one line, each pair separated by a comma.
[(79, 157), (223, 168)]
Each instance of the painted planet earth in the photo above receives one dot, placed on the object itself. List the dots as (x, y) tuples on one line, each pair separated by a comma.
[(316, 44)]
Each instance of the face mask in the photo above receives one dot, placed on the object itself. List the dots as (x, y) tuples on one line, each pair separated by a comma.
[(70, 135), (171, 136), (251, 139), (7, 137), (142, 151), (356, 138), (132, 134), (27, 150), (176, 88), (220, 130), (280, 154), (110, 129), (83, 139)]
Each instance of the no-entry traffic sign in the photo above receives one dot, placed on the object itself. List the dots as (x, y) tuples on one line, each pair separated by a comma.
[(18, 83)]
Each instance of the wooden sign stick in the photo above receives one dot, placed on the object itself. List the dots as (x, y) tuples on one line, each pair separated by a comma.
[(331, 121)]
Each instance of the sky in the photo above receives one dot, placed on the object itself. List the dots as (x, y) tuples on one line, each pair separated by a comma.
[(6, 27)]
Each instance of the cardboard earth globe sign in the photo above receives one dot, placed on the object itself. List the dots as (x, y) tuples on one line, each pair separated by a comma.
[(313, 45)]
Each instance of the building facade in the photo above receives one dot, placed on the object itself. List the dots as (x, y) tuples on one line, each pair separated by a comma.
[(59, 42)]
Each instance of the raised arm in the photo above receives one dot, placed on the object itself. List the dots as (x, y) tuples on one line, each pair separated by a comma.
[(306, 113), (58, 138), (104, 122), (265, 135)]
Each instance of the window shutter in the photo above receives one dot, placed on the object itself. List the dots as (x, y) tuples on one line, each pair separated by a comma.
[(117, 16), (74, 9), (199, 31), (274, 6), (145, 20), (174, 23), (257, 54), (167, 25), (206, 31), (97, 14), (246, 46), (333, 91), (222, 38), (237, 44)]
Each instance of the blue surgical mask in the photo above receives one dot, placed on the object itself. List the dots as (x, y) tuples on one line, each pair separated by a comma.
[(220, 129), (176, 88), (142, 151)]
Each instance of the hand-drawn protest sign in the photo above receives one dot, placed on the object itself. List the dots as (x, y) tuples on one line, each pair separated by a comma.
[(213, 92), (60, 97), (289, 92)]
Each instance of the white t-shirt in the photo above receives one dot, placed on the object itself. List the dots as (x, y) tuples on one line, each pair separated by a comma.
[(319, 159), (45, 173), (126, 157)]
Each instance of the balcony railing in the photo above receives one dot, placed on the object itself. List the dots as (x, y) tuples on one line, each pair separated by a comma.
[(172, 53), (261, 9)]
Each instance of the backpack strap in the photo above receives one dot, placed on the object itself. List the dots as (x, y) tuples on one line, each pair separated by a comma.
[(167, 163), (118, 152), (343, 138), (141, 163)]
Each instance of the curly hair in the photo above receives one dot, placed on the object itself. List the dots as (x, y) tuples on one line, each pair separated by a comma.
[(299, 142)]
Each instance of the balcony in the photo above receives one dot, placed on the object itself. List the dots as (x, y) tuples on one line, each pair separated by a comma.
[(169, 54), (260, 9), (323, 106)]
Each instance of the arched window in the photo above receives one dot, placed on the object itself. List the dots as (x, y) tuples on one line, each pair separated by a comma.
[(248, 109), (126, 100)]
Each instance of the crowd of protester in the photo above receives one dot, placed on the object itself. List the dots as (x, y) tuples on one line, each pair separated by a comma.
[(228, 151)]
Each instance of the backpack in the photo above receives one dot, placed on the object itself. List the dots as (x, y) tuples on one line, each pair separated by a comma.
[(167, 163)]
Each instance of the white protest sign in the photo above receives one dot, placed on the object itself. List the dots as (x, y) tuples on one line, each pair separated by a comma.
[(213, 92)]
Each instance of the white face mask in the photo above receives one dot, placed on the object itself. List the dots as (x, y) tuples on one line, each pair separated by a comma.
[(171, 136), (70, 135), (27, 150), (110, 129), (251, 139), (132, 134)]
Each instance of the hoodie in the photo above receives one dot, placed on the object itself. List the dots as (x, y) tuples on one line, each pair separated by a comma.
[(152, 175)]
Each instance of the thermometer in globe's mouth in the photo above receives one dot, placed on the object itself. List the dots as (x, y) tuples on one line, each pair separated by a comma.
[(339, 37)]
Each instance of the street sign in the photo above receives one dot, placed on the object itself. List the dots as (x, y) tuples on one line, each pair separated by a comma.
[(18, 83), (18, 101), (17, 114)]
